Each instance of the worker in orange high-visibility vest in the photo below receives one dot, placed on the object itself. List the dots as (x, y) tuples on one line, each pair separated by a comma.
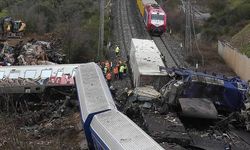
[(116, 71), (109, 77)]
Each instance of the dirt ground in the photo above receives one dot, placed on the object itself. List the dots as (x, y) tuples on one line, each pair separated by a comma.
[(29, 36), (213, 63)]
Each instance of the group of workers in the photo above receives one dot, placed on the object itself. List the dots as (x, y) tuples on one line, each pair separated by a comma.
[(118, 69)]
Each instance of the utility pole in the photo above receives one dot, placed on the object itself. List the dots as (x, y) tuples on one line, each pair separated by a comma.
[(188, 34), (101, 29)]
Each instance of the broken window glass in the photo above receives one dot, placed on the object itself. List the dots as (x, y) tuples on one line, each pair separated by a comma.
[(46, 74), (30, 74)]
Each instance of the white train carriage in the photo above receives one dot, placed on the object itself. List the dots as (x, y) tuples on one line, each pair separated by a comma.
[(105, 127), (115, 131), (93, 92), (33, 79), (145, 61)]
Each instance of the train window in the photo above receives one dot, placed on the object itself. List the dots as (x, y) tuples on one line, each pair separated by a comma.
[(30, 74), (59, 74), (157, 17), (1, 74), (14, 74), (46, 74)]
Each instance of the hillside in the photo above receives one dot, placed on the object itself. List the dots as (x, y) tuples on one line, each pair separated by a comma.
[(228, 18), (75, 22)]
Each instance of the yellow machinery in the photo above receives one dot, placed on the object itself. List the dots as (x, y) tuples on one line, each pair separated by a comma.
[(140, 6), (10, 28)]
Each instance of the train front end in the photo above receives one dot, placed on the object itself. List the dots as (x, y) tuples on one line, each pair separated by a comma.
[(157, 21)]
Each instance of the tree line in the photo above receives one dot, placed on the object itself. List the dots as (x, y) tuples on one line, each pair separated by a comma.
[(76, 22)]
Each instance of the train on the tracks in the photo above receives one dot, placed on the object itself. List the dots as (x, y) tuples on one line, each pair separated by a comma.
[(153, 15), (105, 127)]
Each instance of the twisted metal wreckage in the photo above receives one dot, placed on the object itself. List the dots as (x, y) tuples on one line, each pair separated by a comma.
[(193, 109), (31, 53)]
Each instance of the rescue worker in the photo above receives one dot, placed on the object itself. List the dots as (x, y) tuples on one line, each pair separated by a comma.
[(107, 64), (181, 46), (125, 70), (102, 66), (117, 51), (109, 77), (116, 71), (121, 70), (111, 65), (105, 70)]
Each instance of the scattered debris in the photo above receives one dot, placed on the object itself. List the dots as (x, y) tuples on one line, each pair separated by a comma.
[(147, 93), (31, 53), (228, 94), (198, 108), (246, 115), (193, 110), (166, 128)]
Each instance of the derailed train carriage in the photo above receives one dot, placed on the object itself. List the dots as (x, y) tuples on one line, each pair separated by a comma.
[(105, 127), (153, 15), (197, 94), (145, 62)]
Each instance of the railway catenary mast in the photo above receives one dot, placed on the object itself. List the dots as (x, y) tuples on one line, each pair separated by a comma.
[(188, 35)]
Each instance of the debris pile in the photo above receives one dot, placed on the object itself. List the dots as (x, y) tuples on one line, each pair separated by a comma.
[(193, 110), (141, 98), (30, 53), (246, 116)]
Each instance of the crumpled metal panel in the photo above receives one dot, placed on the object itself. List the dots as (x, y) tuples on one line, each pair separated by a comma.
[(198, 108)]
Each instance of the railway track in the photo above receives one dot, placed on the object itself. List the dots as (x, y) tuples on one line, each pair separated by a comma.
[(125, 25), (127, 31), (165, 49)]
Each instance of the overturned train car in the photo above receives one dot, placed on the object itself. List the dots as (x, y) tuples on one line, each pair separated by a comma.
[(227, 94), (145, 62), (105, 127)]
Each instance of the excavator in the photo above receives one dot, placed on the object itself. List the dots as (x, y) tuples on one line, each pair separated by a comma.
[(10, 28)]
